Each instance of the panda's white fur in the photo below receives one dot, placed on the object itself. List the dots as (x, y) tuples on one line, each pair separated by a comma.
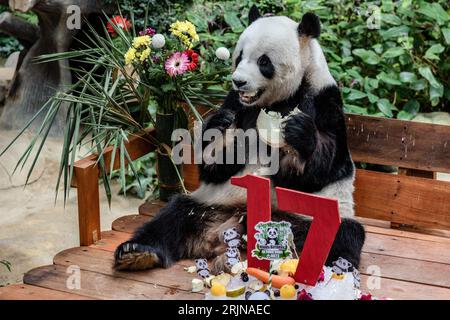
[(294, 58), (292, 55)]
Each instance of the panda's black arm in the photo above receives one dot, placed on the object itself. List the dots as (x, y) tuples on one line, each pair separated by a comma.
[(319, 136), (221, 120)]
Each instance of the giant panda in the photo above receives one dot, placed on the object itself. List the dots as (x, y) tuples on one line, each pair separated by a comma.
[(278, 65)]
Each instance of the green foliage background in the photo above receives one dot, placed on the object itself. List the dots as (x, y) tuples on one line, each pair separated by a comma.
[(394, 70)]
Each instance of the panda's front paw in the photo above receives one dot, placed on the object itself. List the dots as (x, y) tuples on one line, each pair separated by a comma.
[(221, 120), (300, 133)]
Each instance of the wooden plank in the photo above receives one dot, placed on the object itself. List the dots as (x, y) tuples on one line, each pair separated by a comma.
[(88, 202), (403, 199), (407, 248), (394, 142), (410, 270), (29, 292), (402, 290), (407, 234), (129, 223), (101, 286), (151, 208), (101, 261), (110, 240)]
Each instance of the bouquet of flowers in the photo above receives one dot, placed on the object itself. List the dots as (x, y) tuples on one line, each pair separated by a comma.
[(127, 81)]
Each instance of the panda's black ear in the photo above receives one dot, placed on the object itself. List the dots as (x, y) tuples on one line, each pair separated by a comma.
[(253, 14), (310, 25)]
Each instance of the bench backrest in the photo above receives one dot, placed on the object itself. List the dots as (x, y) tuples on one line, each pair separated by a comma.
[(412, 196)]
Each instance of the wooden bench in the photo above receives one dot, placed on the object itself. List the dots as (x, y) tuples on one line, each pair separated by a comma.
[(408, 265)]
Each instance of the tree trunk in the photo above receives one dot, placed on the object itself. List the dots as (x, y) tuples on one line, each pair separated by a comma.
[(34, 83)]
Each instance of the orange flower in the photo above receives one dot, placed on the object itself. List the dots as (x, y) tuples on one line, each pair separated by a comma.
[(118, 22), (193, 59)]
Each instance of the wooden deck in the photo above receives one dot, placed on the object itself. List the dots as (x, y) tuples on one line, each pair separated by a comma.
[(412, 266)]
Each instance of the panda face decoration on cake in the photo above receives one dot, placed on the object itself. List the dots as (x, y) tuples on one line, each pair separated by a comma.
[(271, 58)]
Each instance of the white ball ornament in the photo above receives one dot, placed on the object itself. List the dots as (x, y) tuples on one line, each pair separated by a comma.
[(223, 53), (158, 41)]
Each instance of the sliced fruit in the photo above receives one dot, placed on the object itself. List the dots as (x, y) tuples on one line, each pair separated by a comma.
[(197, 285), (223, 278), (287, 291), (218, 290), (236, 292)]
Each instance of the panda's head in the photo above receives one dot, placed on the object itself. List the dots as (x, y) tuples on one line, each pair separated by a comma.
[(272, 56), (272, 233)]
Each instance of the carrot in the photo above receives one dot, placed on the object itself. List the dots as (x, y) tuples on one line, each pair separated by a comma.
[(277, 281)]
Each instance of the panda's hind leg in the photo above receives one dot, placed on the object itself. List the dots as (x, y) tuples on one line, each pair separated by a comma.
[(183, 229)]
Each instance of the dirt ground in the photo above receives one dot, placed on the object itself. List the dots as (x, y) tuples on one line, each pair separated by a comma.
[(32, 227)]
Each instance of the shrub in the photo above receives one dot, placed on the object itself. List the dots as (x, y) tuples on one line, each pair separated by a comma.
[(390, 58)]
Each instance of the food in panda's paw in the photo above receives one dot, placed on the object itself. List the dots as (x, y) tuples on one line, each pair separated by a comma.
[(270, 127)]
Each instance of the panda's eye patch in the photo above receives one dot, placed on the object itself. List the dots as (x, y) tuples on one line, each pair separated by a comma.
[(266, 66), (264, 60)]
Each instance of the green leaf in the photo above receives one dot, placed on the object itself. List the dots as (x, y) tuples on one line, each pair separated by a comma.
[(427, 74), (436, 93), (233, 21), (446, 33), (404, 115), (391, 19), (393, 52), (355, 109), (372, 98), (389, 79), (434, 51), (419, 85), (395, 32), (412, 107), (368, 56), (386, 107), (434, 11), (407, 77), (356, 95)]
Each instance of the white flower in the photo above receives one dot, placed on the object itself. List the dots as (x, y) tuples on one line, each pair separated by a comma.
[(158, 41), (223, 53)]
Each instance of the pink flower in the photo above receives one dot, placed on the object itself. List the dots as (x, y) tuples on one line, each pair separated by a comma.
[(177, 64), (148, 32)]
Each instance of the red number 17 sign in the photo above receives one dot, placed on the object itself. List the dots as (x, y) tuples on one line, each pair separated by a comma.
[(322, 232)]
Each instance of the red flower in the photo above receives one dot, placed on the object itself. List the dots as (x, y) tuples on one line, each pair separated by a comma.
[(118, 22), (193, 59)]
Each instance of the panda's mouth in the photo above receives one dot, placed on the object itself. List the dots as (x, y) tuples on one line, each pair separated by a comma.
[(249, 97)]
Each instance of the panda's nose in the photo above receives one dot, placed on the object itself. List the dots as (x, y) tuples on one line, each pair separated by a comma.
[(239, 83)]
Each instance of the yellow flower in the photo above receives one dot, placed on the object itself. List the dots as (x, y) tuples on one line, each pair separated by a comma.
[(143, 41), (185, 31), (130, 56), (145, 54)]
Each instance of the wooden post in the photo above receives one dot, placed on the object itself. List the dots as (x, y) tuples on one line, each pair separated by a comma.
[(86, 174)]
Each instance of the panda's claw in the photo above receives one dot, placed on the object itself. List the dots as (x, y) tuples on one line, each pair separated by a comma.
[(134, 256)]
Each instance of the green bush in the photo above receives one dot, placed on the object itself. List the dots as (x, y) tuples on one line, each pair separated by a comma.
[(393, 66)]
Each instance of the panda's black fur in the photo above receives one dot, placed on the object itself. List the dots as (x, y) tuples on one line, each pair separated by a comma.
[(186, 228)]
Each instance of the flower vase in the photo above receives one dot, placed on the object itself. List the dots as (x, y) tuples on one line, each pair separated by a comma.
[(168, 179)]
